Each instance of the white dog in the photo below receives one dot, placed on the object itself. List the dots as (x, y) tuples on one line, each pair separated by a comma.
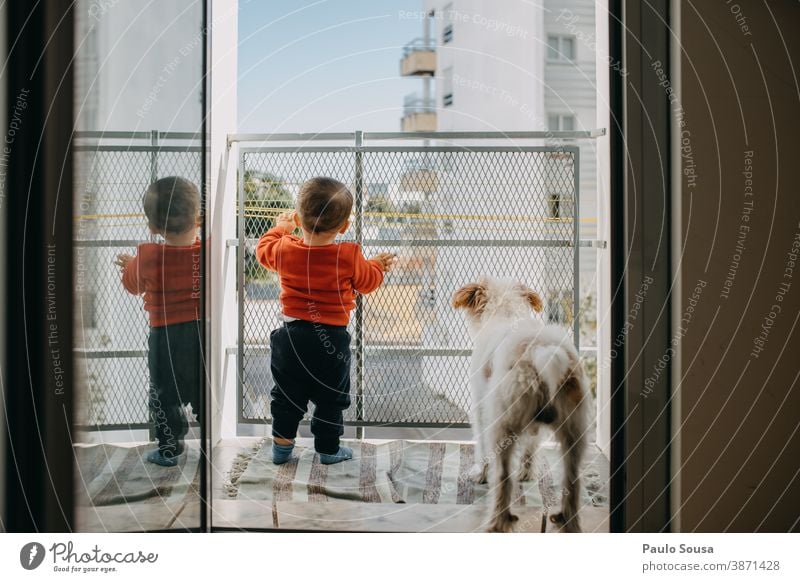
[(524, 375)]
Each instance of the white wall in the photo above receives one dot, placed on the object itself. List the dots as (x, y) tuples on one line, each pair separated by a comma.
[(221, 219), (150, 66), (503, 80), (498, 65), (603, 153)]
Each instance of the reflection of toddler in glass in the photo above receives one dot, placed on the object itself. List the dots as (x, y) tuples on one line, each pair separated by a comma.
[(168, 277)]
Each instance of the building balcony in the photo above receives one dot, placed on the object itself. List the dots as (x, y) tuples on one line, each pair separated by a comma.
[(419, 180), (419, 122), (419, 58), (419, 114), (420, 175)]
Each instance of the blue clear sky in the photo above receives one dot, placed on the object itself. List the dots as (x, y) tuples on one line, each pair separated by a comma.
[(323, 65)]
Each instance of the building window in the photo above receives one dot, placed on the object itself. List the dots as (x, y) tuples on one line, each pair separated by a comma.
[(556, 310), (560, 206), (447, 87), (561, 122), (447, 34), (428, 297), (554, 205), (560, 48), (447, 24)]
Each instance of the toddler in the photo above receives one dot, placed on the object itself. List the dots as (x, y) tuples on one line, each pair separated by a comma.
[(168, 278), (310, 352)]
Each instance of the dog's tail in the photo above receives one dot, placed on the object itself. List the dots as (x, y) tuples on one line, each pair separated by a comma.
[(553, 363), (558, 370)]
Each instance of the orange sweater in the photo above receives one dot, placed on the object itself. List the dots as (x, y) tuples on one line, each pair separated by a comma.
[(318, 283), (170, 279)]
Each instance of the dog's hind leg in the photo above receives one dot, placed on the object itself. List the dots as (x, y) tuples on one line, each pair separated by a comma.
[(480, 469), (526, 468), (571, 435), (502, 484)]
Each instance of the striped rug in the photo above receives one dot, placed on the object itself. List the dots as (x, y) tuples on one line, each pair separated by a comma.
[(394, 472), (111, 475)]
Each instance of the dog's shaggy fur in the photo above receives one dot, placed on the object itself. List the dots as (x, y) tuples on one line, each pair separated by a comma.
[(524, 375)]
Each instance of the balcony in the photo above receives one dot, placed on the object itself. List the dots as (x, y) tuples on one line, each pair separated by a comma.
[(484, 209), (419, 114), (419, 58), (420, 175), (456, 227)]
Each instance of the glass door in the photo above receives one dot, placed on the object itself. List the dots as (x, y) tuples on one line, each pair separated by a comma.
[(139, 265)]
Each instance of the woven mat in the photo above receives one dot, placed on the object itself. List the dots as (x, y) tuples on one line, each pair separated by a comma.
[(395, 472), (112, 475)]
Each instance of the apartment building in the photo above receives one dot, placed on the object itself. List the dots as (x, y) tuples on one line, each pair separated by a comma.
[(504, 66)]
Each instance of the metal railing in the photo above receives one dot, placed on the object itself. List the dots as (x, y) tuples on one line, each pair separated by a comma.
[(473, 203), (418, 45), (470, 203), (113, 171), (415, 103)]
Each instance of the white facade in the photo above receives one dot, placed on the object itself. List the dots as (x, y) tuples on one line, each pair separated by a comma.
[(498, 73), (492, 64), (137, 69), (140, 67), (509, 66)]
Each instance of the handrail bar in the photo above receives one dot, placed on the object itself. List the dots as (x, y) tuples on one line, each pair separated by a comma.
[(417, 135)]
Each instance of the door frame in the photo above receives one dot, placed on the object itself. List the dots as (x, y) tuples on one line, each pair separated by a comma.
[(640, 244)]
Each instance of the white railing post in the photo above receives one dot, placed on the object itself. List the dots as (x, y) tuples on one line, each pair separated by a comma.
[(359, 314), (221, 218)]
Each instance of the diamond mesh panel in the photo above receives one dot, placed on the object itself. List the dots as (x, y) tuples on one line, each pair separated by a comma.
[(116, 390), (271, 181), (109, 220), (451, 217)]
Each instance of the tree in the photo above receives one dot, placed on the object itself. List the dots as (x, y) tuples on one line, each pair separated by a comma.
[(411, 208), (265, 196), (379, 204), (587, 320)]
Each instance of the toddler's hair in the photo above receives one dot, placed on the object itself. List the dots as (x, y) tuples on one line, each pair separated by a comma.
[(172, 205), (323, 204)]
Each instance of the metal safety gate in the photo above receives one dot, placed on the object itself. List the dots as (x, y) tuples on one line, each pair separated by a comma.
[(479, 204), (113, 170)]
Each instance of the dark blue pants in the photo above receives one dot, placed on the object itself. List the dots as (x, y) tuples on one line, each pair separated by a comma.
[(310, 363), (175, 367)]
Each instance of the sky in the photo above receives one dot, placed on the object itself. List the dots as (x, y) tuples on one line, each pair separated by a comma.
[(324, 65)]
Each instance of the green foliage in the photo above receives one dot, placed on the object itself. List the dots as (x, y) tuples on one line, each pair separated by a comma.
[(264, 196), (590, 366), (411, 208), (587, 320), (380, 204)]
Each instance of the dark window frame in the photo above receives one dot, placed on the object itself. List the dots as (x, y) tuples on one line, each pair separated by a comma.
[(38, 470), (40, 497), (640, 137)]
